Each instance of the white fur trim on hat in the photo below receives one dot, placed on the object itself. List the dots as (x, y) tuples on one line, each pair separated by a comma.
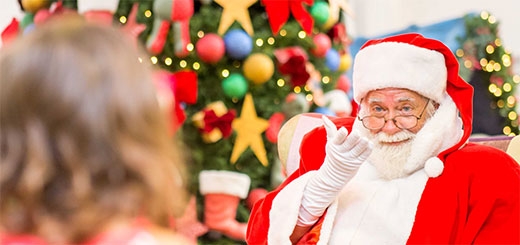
[(224, 182), (433, 167), (399, 65), (104, 5)]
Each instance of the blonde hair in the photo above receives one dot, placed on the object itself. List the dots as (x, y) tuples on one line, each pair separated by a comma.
[(83, 140)]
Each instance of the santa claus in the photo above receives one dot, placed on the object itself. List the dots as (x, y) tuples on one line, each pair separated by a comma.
[(403, 170)]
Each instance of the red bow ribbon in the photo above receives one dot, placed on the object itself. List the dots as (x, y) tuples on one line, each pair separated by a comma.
[(292, 62), (223, 123), (10, 32), (338, 34), (278, 13)]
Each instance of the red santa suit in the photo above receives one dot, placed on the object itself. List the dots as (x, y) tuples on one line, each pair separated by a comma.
[(454, 191)]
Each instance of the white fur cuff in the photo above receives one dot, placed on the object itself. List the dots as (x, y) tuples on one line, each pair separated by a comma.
[(103, 5), (224, 182)]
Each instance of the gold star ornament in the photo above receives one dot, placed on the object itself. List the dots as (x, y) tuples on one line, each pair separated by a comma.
[(235, 10), (249, 128), (335, 6)]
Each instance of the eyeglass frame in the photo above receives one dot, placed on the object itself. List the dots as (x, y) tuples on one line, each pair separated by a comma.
[(393, 119)]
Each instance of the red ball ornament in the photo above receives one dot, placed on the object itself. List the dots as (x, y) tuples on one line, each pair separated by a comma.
[(41, 16), (343, 83), (255, 195), (210, 48), (322, 44)]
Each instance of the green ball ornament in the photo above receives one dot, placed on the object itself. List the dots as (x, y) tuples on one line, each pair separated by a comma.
[(320, 12), (235, 86), (27, 20)]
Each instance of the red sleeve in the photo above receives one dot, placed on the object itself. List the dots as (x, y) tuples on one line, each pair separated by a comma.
[(312, 153)]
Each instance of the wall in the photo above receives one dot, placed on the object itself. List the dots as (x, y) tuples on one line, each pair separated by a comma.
[(378, 17)]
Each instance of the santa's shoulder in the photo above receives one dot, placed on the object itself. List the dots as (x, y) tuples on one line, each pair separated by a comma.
[(477, 159)]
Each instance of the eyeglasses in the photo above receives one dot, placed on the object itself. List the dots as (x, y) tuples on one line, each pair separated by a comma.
[(400, 121)]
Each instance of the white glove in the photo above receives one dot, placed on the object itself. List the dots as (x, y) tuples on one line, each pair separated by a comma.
[(343, 157)]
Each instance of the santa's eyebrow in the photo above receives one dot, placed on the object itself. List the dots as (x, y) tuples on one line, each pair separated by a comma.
[(374, 100), (405, 99)]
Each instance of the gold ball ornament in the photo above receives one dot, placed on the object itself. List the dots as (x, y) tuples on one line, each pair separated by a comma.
[(32, 6), (258, 68), (345, 61)]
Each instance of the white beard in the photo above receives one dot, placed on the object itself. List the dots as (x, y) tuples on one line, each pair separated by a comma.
[(390, 160)]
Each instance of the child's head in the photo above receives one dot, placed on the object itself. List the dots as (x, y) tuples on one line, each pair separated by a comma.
[(82, 137)]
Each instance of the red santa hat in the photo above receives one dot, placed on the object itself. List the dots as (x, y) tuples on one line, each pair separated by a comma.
[(420, 64)]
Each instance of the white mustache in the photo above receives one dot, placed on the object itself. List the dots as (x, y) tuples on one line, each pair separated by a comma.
[(383, 137)]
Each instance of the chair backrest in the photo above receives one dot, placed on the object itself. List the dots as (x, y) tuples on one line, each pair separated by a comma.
[(292, 132)]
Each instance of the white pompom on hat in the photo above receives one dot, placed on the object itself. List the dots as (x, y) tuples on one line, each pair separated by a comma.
[(424, 65)]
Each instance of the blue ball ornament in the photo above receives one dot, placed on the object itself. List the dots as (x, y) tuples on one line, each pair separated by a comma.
[(29, 28), (235, 86), (238, 44), (332, 59)]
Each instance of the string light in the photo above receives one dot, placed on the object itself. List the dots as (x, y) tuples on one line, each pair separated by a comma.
[(492, 88), (309, 97), (498, 43), (507, 87), (148, 13), (489, 66), (183, 64), (498, 92), (501, 104), (506, 130), (190, 47), (154, 60), (280, 82), (511, 101), (122, 19), (459, 52), (259, 42), (468, 64), (512, 115), (483, 62), (302, 34), (490, 49), (516, 79), (484, 15), (325, 79), (196, 65), (506, 60), (297, 89), (306, 88), (270, 40), (225, 73), (497, 67), (492, 19), (200, 34), (283, 32), (168, 61)]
